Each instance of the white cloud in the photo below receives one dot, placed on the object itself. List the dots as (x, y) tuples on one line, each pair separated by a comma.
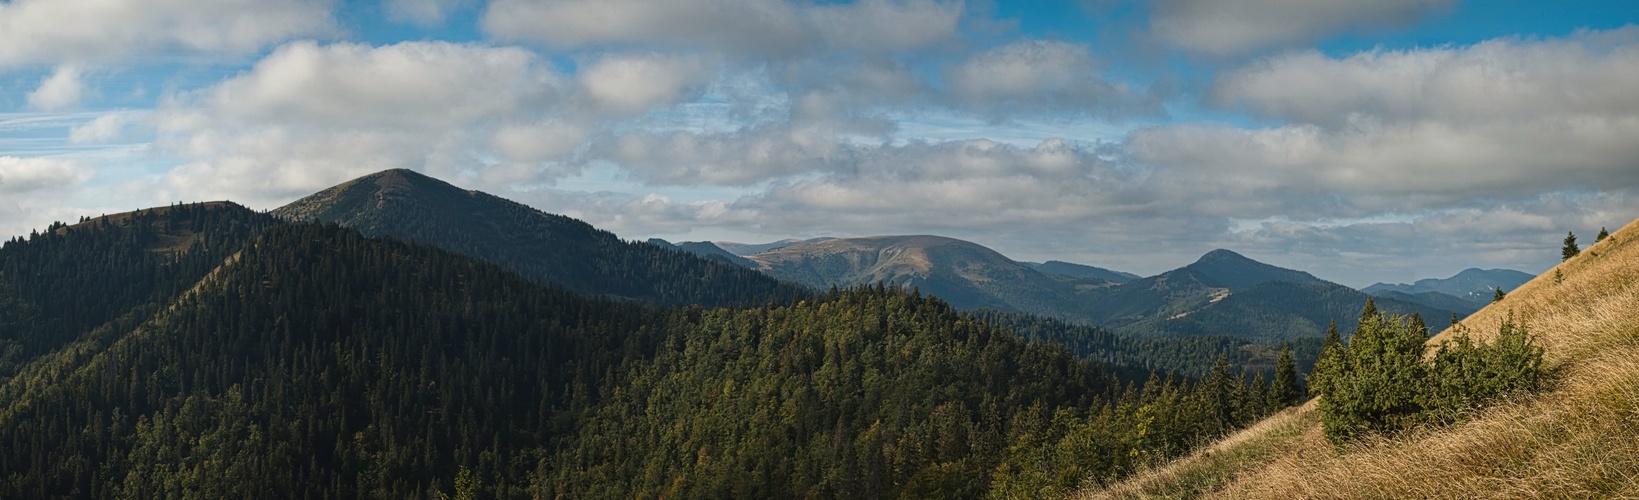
[(109, 127), (308, 116), (743, 157), (63, 89), (1588, 73), (1406, 131), (421, 12), (1226, 27), (97, 31), (632, 83), (20, 176), (1036, 76), (768, 27)]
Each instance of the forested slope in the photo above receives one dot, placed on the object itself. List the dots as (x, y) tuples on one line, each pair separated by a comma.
[(317, 362)]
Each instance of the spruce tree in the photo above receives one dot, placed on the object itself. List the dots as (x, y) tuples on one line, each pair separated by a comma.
[(1570, 249), (1602, 235), (1331, 360), (1497, 296), (1285, 391)]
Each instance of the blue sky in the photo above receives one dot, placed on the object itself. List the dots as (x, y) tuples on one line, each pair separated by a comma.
[(1362, 141)]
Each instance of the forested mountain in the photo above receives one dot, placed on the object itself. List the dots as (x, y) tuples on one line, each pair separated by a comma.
[(705, 249), (1435, 300), (1474, 286), (1225, 293), (551, 248), (1082, 271), (103, 275), (313, 361), (965, 274), (1277, 311)]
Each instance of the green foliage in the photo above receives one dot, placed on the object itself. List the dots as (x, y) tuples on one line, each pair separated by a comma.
[(1285, 390), (1466, 374), (1602, 235), (1570, 249), (1497, 295), (1381, 381)]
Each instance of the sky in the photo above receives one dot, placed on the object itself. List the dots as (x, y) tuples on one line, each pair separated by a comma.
[(1389, 140)]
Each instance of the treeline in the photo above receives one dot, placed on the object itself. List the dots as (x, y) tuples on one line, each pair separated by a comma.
[(321, 363), (1383, 381), (1134, 358)]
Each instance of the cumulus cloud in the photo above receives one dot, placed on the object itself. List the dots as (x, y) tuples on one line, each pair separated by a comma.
[(768, 27), (24, 175), (1588, 73), (1227, 27), (1414, 130), (309, 115), (95, 31), (742, 157), (63, 89), (632, 83), (1036, 76)]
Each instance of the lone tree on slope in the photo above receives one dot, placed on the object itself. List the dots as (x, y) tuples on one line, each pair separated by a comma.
[(1570, 247)]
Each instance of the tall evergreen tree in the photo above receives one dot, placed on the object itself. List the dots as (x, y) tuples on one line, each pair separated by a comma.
[(1602, 235), (1570, 249), (1285, 391)]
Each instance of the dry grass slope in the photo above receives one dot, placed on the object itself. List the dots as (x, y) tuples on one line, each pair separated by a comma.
[(1578, 439)]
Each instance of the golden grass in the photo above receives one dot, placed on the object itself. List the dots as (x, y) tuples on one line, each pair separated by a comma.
[(1578, 439)]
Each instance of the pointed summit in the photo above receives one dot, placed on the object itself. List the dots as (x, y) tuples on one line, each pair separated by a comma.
[(563, 251), (1227, 269)]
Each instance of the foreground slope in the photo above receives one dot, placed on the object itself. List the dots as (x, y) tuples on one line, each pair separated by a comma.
[(1579, 439), (551, 248)]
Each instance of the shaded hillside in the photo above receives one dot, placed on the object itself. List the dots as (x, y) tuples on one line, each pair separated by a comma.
[(966, 275), (103, 275), (320, 363), (1279, 310), (744, 249), (551, 248), (1083, 271), (1435, 300), (1473, 285), (1137, 357), (1576, 440), (707, 250), (1214, 276)]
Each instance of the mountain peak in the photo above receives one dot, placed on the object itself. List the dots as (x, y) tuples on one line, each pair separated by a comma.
[(1221, 254), (1227, 269)]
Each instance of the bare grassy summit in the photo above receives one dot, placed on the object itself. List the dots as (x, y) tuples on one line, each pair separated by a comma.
[(1577, 439)]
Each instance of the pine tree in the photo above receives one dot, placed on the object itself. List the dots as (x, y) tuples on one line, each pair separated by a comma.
[(1570, 249), (1330, 361), (1370, 311), (1285, 392), (1497, 295), (1602, 235)]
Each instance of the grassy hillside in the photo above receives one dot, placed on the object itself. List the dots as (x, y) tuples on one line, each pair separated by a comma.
[(1577, 439)]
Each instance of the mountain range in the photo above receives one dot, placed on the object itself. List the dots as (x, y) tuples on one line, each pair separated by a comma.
[(395, 336), (1465, 292), (1222, 293)]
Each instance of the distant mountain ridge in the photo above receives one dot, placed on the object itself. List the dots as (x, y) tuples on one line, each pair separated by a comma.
[(1469, 284), (551, 248), (1082, 271), (744, 249), (966, 274)]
